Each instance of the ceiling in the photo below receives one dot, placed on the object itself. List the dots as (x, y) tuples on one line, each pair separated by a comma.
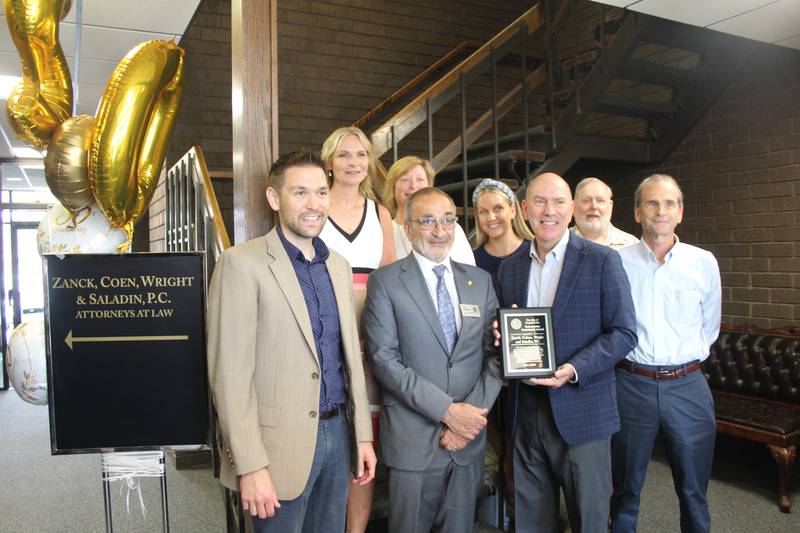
[(109, 29), (769, 21)]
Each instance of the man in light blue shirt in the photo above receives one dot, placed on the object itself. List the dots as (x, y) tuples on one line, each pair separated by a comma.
[(676, 293)]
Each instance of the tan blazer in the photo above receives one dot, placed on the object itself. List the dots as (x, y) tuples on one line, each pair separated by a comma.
[(263, 367)]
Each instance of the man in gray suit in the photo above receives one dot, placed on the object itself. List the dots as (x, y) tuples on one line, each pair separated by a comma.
[(428, 323)]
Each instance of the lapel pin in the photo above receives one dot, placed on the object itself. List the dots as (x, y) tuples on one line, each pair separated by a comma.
[(469, 283)]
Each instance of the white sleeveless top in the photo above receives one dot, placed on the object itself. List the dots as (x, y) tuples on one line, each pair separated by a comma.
[(363, 248)]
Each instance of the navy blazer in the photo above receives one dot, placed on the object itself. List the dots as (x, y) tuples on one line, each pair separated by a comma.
[(594, 327)]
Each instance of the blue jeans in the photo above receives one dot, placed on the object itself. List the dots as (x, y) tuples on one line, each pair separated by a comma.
[(683, 410), (322, 505)]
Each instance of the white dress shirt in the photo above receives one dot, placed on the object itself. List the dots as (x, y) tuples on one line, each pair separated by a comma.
[(544, 276), (461, 252), (678, 303), (432, 281)]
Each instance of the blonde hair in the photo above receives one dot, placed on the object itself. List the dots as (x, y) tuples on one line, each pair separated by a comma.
[(518, 224), (374, 168), (400, 168)]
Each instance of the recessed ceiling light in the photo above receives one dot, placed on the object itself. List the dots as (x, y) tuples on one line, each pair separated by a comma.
[(13, 179), (26, 152), (6, 84)]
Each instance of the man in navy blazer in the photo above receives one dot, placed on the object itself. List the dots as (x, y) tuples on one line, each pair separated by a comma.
[(563, 424)]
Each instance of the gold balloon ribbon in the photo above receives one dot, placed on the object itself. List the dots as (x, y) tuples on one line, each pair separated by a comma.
[(65, 166), (43, 98), (134, 124)]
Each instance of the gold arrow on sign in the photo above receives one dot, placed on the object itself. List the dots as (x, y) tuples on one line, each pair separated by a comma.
[(69, 340)]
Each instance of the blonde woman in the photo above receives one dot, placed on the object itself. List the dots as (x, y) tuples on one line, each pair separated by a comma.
[(408, 175), (501, 229), (360, 229)]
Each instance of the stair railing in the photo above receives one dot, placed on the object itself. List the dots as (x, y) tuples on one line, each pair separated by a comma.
[(421, 109), (193, 219), (193, 223), (412, 84)]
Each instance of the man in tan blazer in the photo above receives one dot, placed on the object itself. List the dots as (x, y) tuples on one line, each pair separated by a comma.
[(285, 366)]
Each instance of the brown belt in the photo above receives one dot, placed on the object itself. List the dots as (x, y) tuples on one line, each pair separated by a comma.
[(662, 375)]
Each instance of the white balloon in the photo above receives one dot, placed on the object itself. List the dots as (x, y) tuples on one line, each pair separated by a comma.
[(87, 231), (25, 361)]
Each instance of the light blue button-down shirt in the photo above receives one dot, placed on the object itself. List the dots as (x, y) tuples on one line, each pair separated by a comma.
[(545, 274), (678, 303)]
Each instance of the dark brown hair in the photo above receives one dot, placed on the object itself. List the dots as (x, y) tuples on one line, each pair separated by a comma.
[(298, 158)]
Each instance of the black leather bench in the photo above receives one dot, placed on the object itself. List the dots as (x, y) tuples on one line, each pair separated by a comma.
[(754, 376)]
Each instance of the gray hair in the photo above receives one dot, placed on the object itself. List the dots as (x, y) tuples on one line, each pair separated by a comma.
[(586, 181), (421, 193), (637, 196)]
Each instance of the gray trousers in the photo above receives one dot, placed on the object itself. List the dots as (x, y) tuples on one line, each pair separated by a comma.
[(440, 499), (544, 463)]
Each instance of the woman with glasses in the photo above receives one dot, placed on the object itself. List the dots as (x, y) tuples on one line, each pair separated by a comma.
[(359, 229), (406, 176), (501, 229)]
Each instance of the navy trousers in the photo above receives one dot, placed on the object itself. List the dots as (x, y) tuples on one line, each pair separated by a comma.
[(321, 507), (683, 410)]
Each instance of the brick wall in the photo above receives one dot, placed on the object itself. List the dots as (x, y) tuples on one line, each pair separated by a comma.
[(337, 59), (205, 114), (739, 168)]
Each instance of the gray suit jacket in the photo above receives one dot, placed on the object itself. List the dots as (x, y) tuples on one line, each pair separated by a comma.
[(409, 358)]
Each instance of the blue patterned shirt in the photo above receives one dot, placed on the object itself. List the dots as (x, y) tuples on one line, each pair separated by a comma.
[(324, 314)]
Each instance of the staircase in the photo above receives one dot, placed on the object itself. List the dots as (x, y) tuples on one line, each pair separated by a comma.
[(591, 82)]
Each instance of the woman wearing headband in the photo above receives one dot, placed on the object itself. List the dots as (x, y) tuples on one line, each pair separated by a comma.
[(406, 176), (501, 230)]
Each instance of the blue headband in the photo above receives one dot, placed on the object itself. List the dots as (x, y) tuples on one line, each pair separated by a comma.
[(489, 183)]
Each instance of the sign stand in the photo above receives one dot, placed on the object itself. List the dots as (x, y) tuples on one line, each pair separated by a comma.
[(109, 473), (164, 499), (127, 330), (107, 505)]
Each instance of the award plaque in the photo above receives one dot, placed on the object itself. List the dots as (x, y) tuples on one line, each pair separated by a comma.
[(527, 342)]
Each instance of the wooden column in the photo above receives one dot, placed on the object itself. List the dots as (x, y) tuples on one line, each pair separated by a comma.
[(254, 62)]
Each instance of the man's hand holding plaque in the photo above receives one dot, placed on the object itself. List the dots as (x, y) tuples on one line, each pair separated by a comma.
[(526, 338)]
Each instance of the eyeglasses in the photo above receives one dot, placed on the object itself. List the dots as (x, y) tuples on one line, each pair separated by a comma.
[(428, 223)]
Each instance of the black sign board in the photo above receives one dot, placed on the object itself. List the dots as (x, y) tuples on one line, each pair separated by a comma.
[(126, 352)]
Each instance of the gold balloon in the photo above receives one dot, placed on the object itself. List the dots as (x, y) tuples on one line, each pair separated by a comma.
[(65, 7), (43, 98), (134, 124), (66, 165)]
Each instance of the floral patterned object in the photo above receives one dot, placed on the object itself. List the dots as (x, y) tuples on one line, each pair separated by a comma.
[(25, 360), (86, 231)]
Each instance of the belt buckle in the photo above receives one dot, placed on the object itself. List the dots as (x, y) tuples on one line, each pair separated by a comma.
[(667, 374)]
